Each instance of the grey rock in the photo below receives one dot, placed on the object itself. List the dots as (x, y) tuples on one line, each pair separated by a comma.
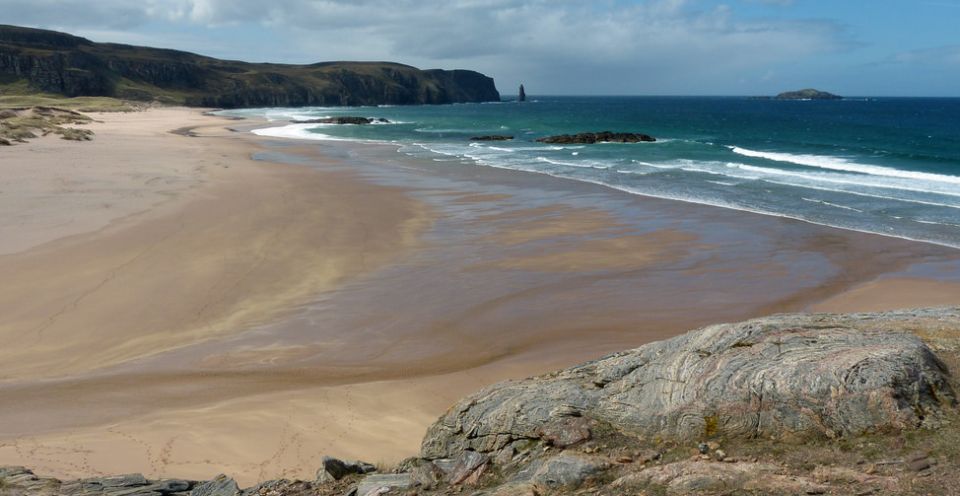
[(173, 486), (335, 469), (565, 431), (567, 470), (425, 473), (16, 481), (126, 480), (445, 464), (465, 465), (505, 456), (786, 376), (220, 485), (698, 477), (10, 471), (382, 483), (279, 487)]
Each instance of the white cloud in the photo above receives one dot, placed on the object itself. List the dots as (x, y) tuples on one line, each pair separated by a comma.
[(938, 56)]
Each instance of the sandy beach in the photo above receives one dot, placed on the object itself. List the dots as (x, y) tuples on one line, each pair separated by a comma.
[(210, 301)]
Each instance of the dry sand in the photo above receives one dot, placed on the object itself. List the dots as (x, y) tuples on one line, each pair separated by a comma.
[(208, 244), (892, 293), (137, 268)]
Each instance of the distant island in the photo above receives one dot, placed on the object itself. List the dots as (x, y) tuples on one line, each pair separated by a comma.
[(807, 94), (40, 61)]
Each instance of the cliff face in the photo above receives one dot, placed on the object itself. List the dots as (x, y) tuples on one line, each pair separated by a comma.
[(60, 63)]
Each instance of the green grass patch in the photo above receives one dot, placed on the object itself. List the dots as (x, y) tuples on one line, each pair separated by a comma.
[(80, 103)]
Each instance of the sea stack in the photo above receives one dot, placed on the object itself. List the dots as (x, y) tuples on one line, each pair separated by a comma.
[(523, 95)]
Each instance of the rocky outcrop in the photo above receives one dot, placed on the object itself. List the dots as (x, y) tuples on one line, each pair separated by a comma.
[(492, 137), (60, 63), (807, 94), (786, 377), (220, 485), (15, 481), (334, 469), (718, 410), (343, 120), (601, 137)]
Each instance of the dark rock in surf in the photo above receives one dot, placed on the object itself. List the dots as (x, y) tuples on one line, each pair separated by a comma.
[(360, 121), (492, 137), (601, 137)]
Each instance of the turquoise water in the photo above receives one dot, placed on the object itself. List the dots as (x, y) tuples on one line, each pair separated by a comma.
[(881, 165)]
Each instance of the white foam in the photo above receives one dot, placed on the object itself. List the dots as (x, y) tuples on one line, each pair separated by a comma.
[(445, 130), (930, 222), (829, 204), (304, 132), (845, 165), (582, 165), (917, 187)]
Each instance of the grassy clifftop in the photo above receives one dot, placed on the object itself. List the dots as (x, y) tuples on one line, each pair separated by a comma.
[(40, 61)]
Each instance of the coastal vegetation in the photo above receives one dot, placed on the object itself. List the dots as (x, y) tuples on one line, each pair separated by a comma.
[(18, 124)]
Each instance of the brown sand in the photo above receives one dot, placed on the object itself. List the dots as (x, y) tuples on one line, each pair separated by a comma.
[(220, 244), (235, 242), (892, 294), (625, 252)]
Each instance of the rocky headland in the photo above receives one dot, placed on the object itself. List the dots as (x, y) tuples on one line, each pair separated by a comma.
[(788, 404), (41, 61), (600, 137)]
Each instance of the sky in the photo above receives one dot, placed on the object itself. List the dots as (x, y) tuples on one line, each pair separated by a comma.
[(558, 47)]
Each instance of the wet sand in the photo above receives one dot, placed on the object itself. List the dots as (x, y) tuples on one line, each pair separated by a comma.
[(332, 298)]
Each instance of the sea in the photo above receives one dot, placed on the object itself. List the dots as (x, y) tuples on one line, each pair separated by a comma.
[(888, 166)]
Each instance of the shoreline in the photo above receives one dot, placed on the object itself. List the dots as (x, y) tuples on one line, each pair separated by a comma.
[(494, 287), (300, 134)]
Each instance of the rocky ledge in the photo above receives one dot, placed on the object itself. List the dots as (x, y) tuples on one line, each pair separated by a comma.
[(789, 404), (601, 137), (492, 137), (343, 120)]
